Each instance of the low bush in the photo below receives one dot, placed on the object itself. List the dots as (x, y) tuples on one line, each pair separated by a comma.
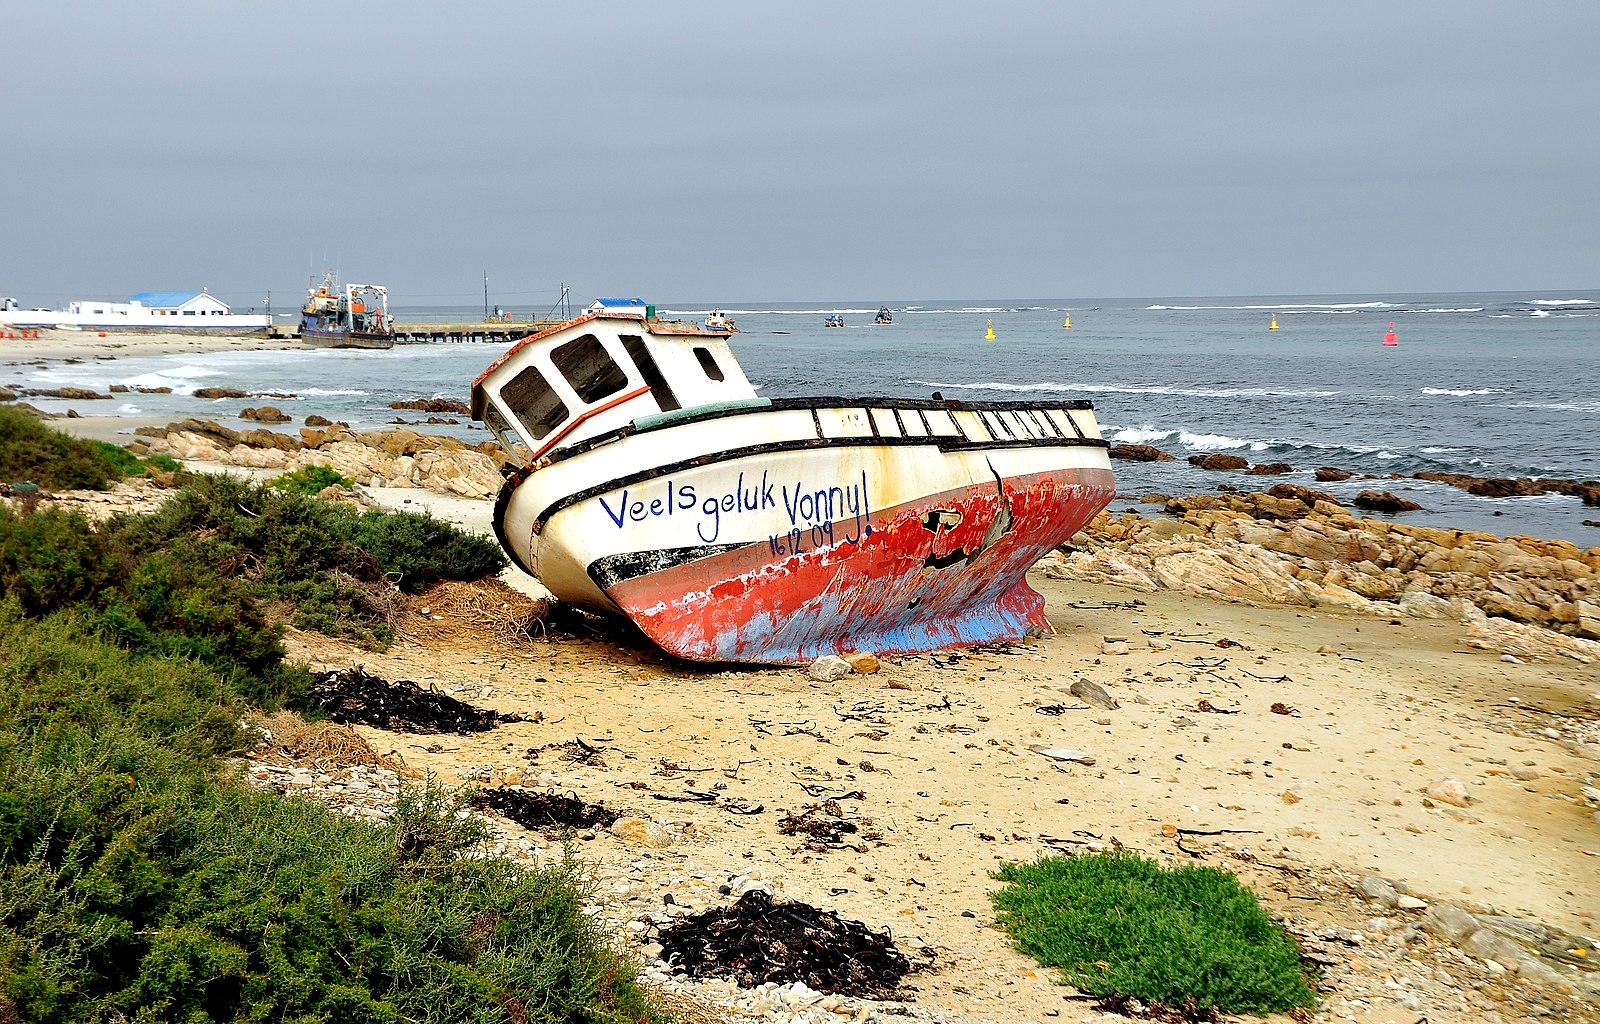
[(140, 882), (1191, 938), (335, 566), (32, 452), (311, 480)]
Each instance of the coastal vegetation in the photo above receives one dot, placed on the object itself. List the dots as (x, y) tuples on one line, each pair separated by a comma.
[(142, 879), (1121, 926), (31, 452), (311, 480)]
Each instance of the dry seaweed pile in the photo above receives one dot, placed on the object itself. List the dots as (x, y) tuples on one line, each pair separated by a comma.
[(487, 607), (354, 696), (287, 740), (544, 812), (759, 939), (825, 826)]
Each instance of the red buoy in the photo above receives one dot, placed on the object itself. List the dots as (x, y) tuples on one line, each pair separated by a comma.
[(1390, 340)]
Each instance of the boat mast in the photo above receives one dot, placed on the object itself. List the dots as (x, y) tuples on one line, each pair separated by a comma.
[(486, 295)]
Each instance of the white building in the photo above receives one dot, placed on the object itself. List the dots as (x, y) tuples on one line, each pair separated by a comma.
[(179, 311)]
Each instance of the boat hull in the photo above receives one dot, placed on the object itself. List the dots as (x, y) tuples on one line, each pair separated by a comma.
[(781, 556), (315, 338)]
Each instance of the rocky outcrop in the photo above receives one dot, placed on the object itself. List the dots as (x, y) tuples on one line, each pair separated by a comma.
[(75, 394), (265, 414), (1138, 453), (220, 393), (390, 458), (1588, 491), (1331, 474), (1384, 501), (1297, 546), (1270, 469), (433, 405), (1218, 460)]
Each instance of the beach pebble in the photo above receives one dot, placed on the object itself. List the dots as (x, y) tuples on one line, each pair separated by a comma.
[(829, 668), (1378, 890), (641, 832), (1449, 791), (1093, 694), (862, 663)]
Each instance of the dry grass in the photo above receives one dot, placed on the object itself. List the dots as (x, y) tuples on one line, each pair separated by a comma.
[(487, 609), (293, 742)]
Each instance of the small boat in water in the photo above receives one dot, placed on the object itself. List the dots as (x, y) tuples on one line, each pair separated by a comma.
[(834, 321), (650, 480), (720, 321), (356, 316), (884, 316)]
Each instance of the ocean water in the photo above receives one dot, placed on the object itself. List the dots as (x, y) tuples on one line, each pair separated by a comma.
[(1501, 383)]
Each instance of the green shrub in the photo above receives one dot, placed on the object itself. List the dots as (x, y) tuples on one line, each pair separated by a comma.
[(1120, 925), (31, 451), (331, 563), (51, 558), (139, 882), (311, 480)]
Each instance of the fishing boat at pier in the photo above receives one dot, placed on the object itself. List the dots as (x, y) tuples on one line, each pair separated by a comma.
[(648, 479), (355, 316)]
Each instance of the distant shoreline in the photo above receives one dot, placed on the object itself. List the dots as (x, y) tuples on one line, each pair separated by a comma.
[(85, 345)]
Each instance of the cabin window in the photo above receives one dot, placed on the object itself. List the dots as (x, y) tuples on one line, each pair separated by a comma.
[(505, 433), (590, 370), (708, 362), (534, 403), (640, 354)]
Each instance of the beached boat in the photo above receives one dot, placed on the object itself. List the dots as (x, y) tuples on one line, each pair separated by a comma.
[(650, 480), (355, 316)]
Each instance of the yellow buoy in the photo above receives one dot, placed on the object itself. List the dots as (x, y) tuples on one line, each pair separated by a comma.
[(989, 334), (1066, 322), (1274, 325)]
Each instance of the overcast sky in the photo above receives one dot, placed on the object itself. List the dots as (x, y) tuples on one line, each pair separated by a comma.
[(736, 151)]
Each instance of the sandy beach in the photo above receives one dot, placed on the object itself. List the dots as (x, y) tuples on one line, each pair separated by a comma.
[(86, 344), (1301, 748)]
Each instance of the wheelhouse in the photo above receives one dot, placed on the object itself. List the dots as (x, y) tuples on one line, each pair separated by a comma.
[(604, 370)]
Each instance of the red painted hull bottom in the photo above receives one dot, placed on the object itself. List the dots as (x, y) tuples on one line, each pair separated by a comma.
[(948, 570)]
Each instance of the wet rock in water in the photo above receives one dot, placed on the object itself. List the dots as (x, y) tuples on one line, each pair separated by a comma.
[(1331, 474), (434, 405), (1270, 469), (118, 389), (353, 696), (544, 812), (1093, 694), (1218, 460), (265, 414), (314, 420), (1300, 492), (760, 939), (1138, 453), (1384, 501), (829, 668), (220, 393), (1449, 791), (76, 394), (162, 390)]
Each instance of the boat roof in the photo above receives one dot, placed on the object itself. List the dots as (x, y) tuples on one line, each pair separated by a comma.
[(664, 328)]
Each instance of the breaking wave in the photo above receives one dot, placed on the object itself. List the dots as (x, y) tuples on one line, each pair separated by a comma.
[(1463, 392), (326, 392), (1563, 302), (1137, 389), (1293, 307)]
